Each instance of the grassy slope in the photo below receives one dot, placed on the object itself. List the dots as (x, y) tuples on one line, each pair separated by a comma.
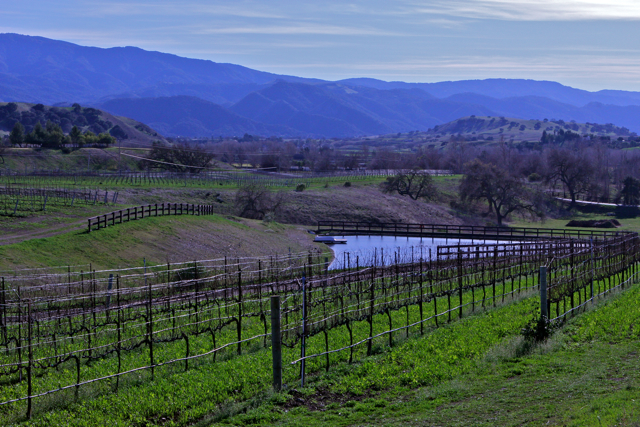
[(627, 224), (363, 201), (162, 239), (586, 374), (21, 159)]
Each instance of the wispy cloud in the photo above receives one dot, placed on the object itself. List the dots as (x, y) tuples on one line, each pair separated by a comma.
[(528, 10), (104, 38), (582, 70), (187, 8), (288, 29)]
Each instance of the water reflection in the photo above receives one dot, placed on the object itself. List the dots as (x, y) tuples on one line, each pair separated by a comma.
[(363, 251)]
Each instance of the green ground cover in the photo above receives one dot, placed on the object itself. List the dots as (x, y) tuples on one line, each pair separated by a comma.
[(210, 392), (586, 374), (158, 239), (627, 224)]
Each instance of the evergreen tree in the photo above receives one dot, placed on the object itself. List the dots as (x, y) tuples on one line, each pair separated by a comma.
[(630, 193), (17, 135), (37, 136), (54, 137), (76, 137)]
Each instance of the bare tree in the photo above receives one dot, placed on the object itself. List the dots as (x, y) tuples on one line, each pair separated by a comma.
[(416, 184), (504, 193), (255, 201), (572, 168), (179, 158)]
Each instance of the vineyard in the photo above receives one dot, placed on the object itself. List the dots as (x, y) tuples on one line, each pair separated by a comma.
[(38, 178), (20, 200), (73, 329)]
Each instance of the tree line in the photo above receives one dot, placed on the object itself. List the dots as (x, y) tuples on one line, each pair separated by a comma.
[(56, 127)]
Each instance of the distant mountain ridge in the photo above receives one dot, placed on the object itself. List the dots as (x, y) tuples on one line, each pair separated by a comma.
[(37, 69), (190, 97), (509, 88)]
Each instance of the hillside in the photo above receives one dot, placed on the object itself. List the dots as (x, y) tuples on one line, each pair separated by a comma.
[(190, 116), (521, 130), (129, 131), (297, 110), (491, 129)]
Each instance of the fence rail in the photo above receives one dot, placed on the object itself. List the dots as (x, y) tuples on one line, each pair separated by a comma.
[(139, 212), (457, 231)]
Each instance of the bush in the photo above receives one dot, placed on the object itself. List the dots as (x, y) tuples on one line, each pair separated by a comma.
[(300, 187), (627, 211), (347, 184), (539, 329), (534, 177)]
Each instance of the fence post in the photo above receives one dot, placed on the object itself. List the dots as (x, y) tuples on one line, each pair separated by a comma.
[(592, 271), (303, 349), (276, 344), (30, 365), (109, 287), (543, 292), (460, 280)]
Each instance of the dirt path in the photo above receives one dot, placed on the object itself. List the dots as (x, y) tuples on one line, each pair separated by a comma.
[(16, 236)]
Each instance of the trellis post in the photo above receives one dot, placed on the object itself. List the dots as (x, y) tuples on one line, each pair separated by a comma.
[(276, 345), (543, 292)]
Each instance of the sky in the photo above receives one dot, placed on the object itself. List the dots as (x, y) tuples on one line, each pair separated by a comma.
[(587, 44)]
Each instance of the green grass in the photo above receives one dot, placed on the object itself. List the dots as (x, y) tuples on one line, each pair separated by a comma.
[(212, 391), (116, 182), (584, 375), (420, 380), (158, 239), (628, 224)]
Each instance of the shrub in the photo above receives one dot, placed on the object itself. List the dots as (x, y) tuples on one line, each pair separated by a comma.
[(300, 187), (627, 211), (539, 329), (347, 184), (534, 177)]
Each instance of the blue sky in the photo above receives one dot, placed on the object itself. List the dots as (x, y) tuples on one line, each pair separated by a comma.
[(581, 43)]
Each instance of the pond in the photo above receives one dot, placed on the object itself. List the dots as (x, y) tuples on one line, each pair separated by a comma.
[(363, 250)]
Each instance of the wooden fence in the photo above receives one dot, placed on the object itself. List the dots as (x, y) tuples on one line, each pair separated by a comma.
[(139, 212), (458, 231)]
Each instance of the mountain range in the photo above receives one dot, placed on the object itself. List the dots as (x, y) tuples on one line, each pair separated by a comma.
[(190, 97)]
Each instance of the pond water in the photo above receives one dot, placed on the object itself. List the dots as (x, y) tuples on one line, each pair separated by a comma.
[(363, 250)]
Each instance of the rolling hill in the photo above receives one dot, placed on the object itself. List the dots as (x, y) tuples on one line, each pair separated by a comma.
[(190, 116), (86, 119), (483, 130)]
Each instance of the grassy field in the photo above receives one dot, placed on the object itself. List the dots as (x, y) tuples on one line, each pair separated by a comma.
[(159, 240), (586, 374), (627, 224), (475, 371)]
